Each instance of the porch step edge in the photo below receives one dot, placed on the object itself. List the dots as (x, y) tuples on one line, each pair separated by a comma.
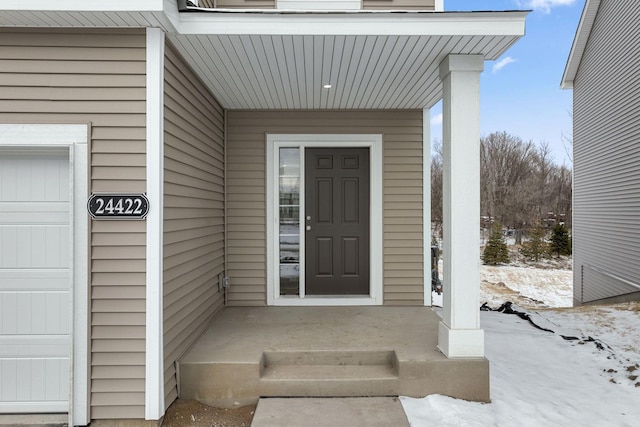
[(328, 373), (330, 358)]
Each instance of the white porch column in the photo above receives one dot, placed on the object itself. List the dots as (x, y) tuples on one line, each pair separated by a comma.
[(459, 333)]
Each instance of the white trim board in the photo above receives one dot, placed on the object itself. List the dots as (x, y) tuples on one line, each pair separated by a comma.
[(374, 143), (376, 23), (74, 138), (154, 354)]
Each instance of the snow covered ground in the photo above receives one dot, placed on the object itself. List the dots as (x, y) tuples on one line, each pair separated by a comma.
[(538, 378), (527, 286)]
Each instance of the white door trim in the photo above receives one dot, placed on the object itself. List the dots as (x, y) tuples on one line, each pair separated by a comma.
[(73, 138), (274, 143)]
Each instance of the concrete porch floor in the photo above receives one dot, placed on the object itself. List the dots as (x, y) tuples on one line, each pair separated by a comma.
[(253, 352)]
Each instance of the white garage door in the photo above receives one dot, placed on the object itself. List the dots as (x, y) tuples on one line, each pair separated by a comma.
[(35, 281)]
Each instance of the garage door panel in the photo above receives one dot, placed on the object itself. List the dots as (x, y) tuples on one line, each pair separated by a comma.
[(40, 213), (38, 176), (34, 280), (34, 379), (33, 246), (34, 313), (38, 347)]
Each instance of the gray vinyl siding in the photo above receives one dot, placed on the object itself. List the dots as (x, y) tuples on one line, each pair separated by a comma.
[(402, 194), (193, 212), (606, 223), (96, 77)]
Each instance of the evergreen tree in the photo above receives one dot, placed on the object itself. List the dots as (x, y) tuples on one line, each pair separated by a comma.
[(560, 243), (495, 251), (536, 247)]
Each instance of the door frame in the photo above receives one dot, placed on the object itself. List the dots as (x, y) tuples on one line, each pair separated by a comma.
[(273, 143), (73, 138)]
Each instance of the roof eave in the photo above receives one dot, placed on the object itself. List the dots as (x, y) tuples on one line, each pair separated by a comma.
[(508, 23), (579, 43)]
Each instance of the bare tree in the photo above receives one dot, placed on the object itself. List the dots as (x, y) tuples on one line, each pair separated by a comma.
[(567, 140), (505, 162), (436, 183), (519, 183)]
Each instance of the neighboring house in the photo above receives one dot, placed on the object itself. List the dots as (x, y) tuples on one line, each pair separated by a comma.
[(603, 70), (214, 114)]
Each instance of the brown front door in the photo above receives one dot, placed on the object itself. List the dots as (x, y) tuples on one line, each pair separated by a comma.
[(337, 221)]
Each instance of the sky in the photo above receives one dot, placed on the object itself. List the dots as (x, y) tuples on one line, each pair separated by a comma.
[(520, 92)]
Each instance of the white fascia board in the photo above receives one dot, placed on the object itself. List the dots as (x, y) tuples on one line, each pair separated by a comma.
[(83, 5), (358, 23), (579, 43)]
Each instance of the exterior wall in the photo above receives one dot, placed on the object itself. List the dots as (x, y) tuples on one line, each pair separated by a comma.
[(402, 139), (398, 4), (606, 231), (66, 76), (238, 4), (193, 212), (321, 4)]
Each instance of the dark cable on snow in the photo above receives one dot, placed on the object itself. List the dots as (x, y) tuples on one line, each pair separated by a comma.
[(507, 309)]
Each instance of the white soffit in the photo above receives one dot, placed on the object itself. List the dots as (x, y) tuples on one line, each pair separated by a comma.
[(371, 60)]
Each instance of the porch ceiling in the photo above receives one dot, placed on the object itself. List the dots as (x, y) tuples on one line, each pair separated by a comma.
[(371, 60)]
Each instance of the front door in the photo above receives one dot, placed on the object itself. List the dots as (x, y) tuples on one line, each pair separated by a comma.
[(337, 221)]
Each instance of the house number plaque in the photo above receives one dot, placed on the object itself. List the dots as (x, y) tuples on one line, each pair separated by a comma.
[(118, 205)]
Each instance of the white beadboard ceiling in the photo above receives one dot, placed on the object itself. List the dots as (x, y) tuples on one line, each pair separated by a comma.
[(385, 60), (365, 72)]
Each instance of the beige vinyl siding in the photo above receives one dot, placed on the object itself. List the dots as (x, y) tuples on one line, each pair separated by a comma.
[(238, 4), (606, 227), (96, 77), (398, 4), (402, 140), (193, 212)]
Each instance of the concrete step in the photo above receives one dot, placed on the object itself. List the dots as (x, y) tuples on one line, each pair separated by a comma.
[(329, 365), (329, 373)]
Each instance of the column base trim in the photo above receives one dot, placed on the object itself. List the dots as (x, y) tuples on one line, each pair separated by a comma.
[(460, 343)]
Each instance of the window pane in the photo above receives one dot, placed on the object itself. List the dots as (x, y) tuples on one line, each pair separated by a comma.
[(289, 221), (289, 279), (289, 214), (290, 162), (289, 249)]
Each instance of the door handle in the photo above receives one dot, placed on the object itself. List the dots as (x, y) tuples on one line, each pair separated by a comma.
[(308, 228)]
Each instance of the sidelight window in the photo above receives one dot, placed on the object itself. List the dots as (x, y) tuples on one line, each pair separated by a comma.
[(289, 220)]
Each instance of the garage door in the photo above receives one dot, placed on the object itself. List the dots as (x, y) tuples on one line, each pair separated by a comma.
[(35, 280)]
